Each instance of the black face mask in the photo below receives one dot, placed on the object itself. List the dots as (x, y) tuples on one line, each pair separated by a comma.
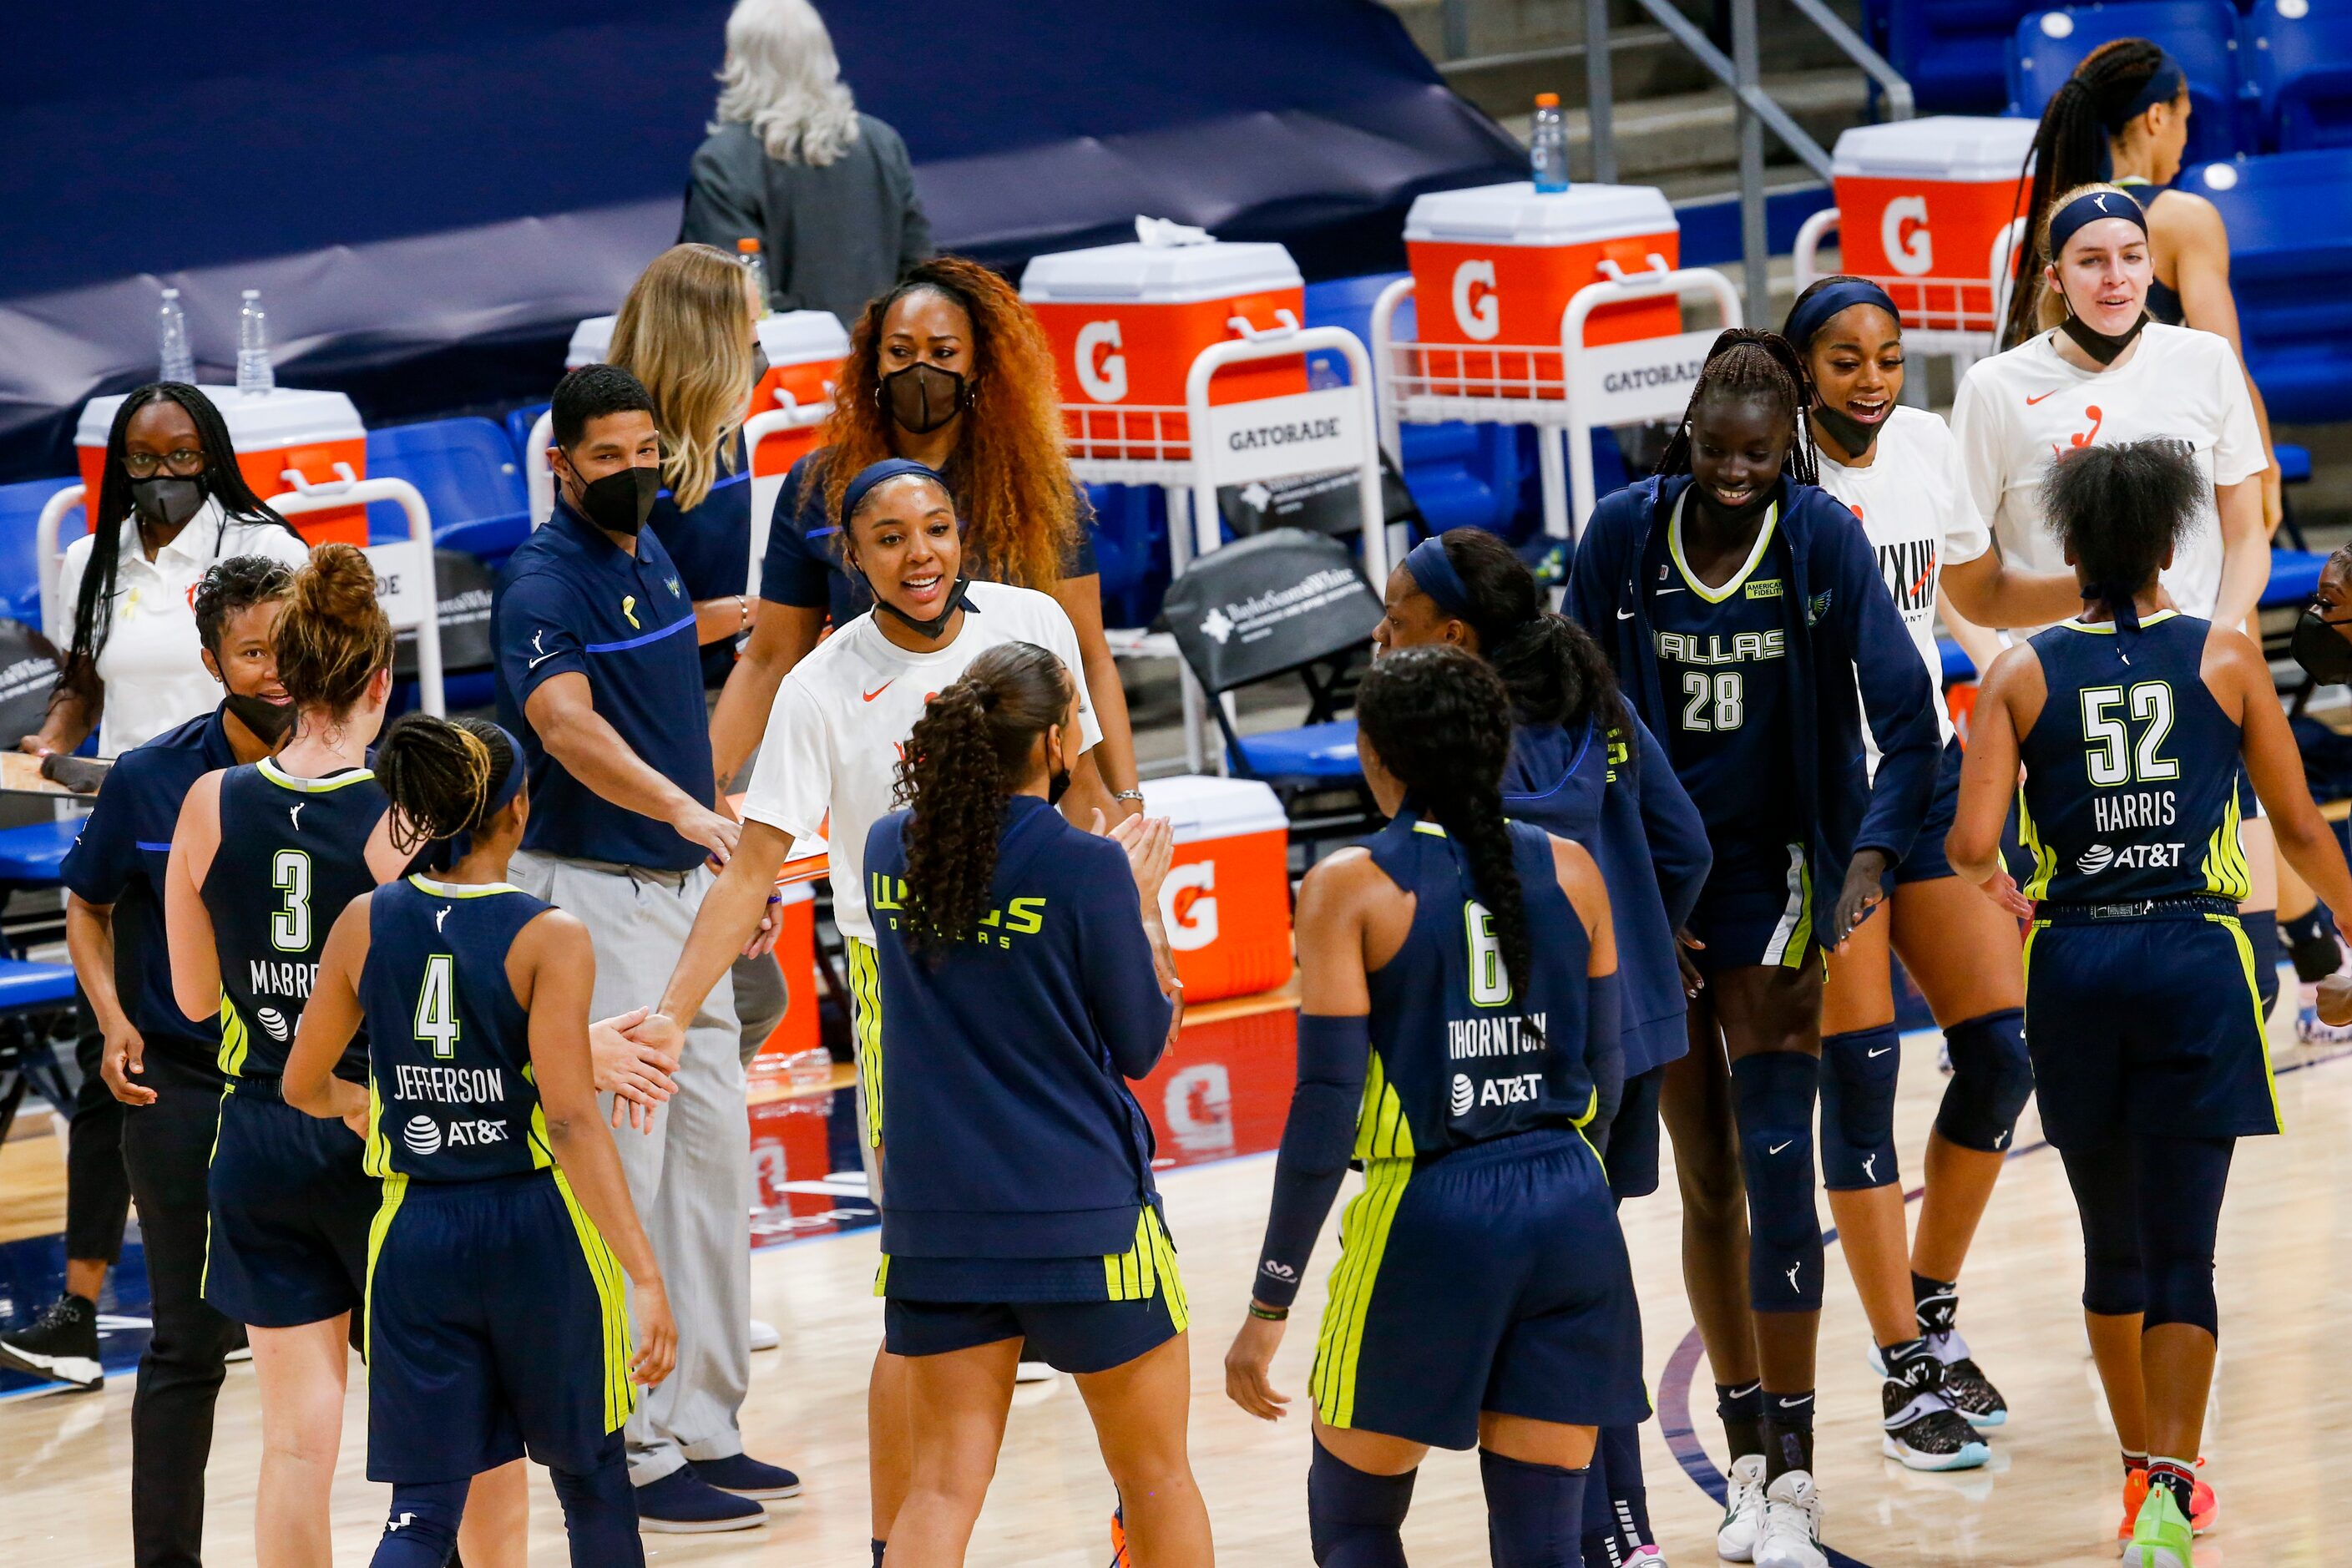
[(2320, 647), (1057, 784), (937, 624), (2103, 347), (1852, 436), (268, 720), (168, 500), (620, 503), (922, 397)]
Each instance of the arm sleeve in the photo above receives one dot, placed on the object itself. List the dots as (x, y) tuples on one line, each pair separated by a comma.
[(1316, 1143), (793, 571), (792, 783), (1678, 845), (1122, 988), (533, 634), (104, 856), (1896, 697), (1605, 1042), (2238, 444)]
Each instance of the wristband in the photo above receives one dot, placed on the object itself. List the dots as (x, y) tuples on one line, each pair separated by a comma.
[(1268, 1314), (1134, 794)]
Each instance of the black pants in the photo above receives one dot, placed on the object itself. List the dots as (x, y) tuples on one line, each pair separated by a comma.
[(98, 1194), (166, 1147)]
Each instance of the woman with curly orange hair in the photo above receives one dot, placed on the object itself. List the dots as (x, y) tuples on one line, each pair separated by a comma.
[(950, 369)]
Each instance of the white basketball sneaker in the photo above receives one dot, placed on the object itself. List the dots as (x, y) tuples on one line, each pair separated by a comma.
[(1742, 1528), (1792, 1525)]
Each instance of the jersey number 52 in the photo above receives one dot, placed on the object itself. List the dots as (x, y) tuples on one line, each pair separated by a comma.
[(2108, 750)]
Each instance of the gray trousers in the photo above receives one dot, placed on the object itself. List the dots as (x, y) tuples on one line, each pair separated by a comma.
[(691, 1177)]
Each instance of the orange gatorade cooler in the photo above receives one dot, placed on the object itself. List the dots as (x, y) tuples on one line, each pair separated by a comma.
[(804, 350), (1226, 901), (1128, 320), (1921, 202), (1495, 267), (308, 432)]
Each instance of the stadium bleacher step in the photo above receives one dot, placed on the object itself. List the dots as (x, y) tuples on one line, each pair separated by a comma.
[(1685, 141)]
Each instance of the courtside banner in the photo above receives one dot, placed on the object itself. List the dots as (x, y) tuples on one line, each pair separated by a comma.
[(1649, 378), (1276, 438)]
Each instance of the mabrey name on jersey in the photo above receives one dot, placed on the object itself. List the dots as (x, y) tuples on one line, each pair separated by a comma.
[(281, 977)]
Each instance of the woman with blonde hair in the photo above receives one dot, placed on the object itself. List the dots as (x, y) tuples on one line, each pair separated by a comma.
[(828, 192), (951, 369)]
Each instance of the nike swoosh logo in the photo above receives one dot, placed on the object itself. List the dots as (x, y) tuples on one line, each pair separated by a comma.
[(1624, 614), (1792, 1404), (878, 690), (1880, 1052), (542, 659), (1777, 1147), (2052, 393)]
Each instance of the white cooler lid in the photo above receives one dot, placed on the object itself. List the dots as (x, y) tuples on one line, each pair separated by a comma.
[(281, 418), (1201, 807), (1970, 149), (791, 337), (1516, 214), (1158, 274)]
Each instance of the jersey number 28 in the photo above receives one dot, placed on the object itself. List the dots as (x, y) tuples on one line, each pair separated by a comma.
[(2111, 758), (1716, 703)]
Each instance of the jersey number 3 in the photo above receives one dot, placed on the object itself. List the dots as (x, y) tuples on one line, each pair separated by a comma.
[(2113, 759), (436, 1005), (289, 928), (1715, 704)]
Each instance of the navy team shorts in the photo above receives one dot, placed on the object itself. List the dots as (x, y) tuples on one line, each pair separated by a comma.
[(290, 1210), (2146, 1023), (1755, 909), (496, 1326), (1925, 863), (1080, 1315), (1494, 1277)]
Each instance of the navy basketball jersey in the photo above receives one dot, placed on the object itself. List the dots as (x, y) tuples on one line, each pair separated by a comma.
[(2131, 770), (293, 854), (452, 1096), (1455, 1059), (1723, 671)]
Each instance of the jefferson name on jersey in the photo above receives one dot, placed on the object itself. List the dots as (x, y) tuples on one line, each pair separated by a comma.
[(450, 1086)]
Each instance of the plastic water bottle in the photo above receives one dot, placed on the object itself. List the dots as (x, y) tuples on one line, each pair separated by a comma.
[(171, 340), (253, 375), (1548, 146), (747, 256)]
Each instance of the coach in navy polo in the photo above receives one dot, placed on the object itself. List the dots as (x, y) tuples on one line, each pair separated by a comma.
[(599, 674)]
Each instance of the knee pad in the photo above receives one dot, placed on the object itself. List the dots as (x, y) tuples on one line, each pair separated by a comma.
[(2311, 943), (1533, 1513), (600, 1509), (1858, 1074), (1991, 1080), (422, 1530), (2181, 1290), (1772, 1101), (2261, 927), (1352, 1518)]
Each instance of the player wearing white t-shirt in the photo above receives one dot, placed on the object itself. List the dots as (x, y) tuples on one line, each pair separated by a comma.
[(1899, 469)]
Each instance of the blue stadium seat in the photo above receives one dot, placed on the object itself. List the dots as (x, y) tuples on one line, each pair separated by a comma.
[(1313, 754), (2298, 63), (470, 479), (2295, 463), (1950, 51), (2290, 218), (24, 984), (32, 856), (2294, 577), (1958, 665), (2202, 34), (20, 583)]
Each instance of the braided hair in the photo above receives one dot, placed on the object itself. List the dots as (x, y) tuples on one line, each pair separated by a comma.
[(2118, 508), (1747, 361), (1439, 722), (964, 757), (441, 775), (2074, 146), (1554, 671)]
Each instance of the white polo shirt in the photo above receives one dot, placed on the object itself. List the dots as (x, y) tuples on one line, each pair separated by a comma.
[(151, 664), (2016, 412), (829, 761)]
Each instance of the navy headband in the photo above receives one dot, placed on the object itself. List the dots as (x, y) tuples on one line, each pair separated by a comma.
[(1433, 571), (1813, 312), (882, 473), (511, 786), (2162, 87), (2089, 209)]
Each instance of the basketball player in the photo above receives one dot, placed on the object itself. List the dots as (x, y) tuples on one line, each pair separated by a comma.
[(1899, 470), (1586, 770), (2142, 1012), (1458, 979), (1020, 993), (262, 858), (1743, 611), (827, 769), (496, 1318)]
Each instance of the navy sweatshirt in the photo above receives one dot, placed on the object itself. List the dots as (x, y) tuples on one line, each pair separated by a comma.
[(1620, 799), (1842, 625), (1008, 1129)]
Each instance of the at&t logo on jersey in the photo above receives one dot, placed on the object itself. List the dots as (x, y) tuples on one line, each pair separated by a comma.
[(422, 1135), (1465, 1095), (2099, 858), (271, 1019)]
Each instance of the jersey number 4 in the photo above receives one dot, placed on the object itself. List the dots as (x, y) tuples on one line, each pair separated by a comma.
[(2111, 758), (436, 1005), (1715, 703)]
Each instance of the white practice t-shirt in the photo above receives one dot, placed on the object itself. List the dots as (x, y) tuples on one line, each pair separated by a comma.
[(151, 664), (829, 761), (1913, 501), (2016, 412)]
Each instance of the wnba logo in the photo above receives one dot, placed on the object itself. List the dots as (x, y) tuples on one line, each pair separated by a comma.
[(2094, 859), (1466, 1094), (422, 1135)]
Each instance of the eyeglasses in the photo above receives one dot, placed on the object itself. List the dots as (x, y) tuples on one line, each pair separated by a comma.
[(186, 462)]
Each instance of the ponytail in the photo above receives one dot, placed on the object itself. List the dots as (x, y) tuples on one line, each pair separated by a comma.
[(1555, 672), (444, 776)]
